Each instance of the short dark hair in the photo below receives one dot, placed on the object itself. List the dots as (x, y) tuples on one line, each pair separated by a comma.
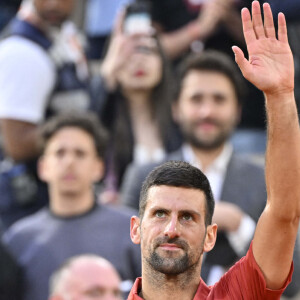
[(178, 174), (212, 61), (86, 121)]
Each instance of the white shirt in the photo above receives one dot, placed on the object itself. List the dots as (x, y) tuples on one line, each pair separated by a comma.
[(216, 171), (27, 77)]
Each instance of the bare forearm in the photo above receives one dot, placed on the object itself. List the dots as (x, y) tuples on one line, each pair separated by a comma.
[(283, 155), (20, 142), (179, 41)]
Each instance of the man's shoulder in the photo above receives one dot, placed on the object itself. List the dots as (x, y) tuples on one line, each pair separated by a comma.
[(29, 227), (245, 280), (31, 221), (250, 166), (117, 214), (145, 169), (22, 47), (21, 56)]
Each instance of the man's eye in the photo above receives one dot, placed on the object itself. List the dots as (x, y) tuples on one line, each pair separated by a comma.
[(187, 217), (60, 153), (160, 214), (220, 99), (80, 154)]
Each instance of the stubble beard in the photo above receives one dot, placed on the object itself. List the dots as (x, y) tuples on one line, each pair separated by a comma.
[(169, 266), (174, 265), (220, 139)]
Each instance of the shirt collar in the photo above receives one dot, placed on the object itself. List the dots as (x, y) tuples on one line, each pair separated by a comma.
[(134, 293), (201, 293), (219, 164)]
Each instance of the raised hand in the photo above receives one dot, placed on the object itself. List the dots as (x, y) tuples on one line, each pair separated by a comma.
[(120, 48), (211, 14), (270, 65)]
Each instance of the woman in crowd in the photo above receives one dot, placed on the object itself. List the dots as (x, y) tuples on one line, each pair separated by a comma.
[(136, 103)]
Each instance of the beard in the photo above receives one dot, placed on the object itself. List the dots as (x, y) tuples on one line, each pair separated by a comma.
[(173, 265), (214, 142), (169, 266), (54, 19)]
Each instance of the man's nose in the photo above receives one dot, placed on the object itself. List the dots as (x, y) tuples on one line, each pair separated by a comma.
[(69, 158), (52, 3), (206, 108), (172, 228)]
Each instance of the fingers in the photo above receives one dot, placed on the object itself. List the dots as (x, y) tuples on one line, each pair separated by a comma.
[(240, 59), (249, 33), (256, 28), (257, 20), (118, 27), (282, 30), (268, 20)]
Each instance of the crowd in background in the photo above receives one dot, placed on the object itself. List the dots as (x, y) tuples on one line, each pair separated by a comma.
[(71, 72)]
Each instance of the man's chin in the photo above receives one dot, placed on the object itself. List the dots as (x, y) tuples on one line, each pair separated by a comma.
[(54, 22), (171, 266), (207, 142), (169, 263), (69, 192)]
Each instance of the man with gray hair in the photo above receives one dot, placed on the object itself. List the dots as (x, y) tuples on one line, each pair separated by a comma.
[(85, 277)]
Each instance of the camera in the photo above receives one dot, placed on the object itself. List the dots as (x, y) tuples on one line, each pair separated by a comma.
[(138, 18)]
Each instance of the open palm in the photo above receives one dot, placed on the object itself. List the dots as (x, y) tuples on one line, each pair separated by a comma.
[(270, 66)]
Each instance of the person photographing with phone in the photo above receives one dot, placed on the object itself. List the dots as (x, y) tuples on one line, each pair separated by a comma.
[(136, 91)]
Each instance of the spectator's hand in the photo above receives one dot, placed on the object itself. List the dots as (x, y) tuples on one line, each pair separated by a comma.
[(212, 13), (121, 46), (227, 216), (270, 66), (227, 8)]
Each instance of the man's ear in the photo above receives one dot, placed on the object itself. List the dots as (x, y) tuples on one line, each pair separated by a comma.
[(98, 170), (42, 169), (175, 111), (239, 114), (210, 238), (135, 231)]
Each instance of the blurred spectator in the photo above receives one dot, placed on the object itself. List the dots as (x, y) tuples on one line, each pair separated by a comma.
[(85, 277), (73, 148), (137, 89), (194, 25), (8, 9), (189, 24), (207, 109), (42, 73), (99, 18)]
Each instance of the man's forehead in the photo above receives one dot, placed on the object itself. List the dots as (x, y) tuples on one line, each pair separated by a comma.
[(95, 275), (207, 83), (172, 197), (70, 137), (205, 79)]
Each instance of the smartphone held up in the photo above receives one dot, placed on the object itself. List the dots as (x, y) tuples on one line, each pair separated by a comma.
[(138, 18)]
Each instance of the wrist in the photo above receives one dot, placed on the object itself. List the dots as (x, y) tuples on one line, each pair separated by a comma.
[(279, 98), (108, 76), (193, 30)]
